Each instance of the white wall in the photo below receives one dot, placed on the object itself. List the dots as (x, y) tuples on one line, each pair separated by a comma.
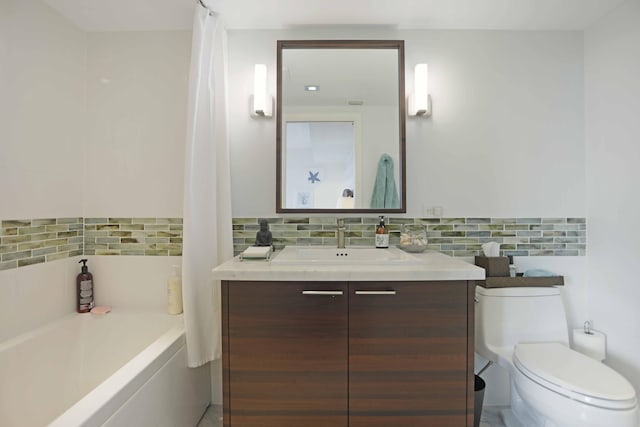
[(506, 137), (137, 95), (42, 117), (612, 100), (42, 112)]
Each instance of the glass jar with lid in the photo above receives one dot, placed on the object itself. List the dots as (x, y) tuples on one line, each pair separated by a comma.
[(413, 238)]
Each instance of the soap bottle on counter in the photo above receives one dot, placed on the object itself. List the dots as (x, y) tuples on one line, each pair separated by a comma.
[(174, 291), (84, 289), (382, 235)]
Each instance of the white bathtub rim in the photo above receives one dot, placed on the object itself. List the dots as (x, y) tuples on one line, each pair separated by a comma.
[(99, 404)]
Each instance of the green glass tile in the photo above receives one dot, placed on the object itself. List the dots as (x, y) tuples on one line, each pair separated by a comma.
[(440, 227), (31, 230), (478, 233), (528, 220), (521, 233), (78, 227), (156, 252), (566, 252), (465, 227), (175, 252), (129, 246), (491, 227), (107, 240), (8, 248), (15, 239), (103, 227), (31, 245), (10, 256), (129, 240), (540, 227), (322, 220), (541, 240), (76, 253), (57, 228), (154, 240), (503, 221), (168, 234), (452, 234), (296, 220), (10, 223), (244, 221), (96, 220), (43, 221), (516, 226), (464, 253), (162, 221), (67, 248), (143, 220), (576, 220), (45, 251), (427, 220), (175, 227), (71, 220), (453, 220), (67, 234), (553, 233), (175, 220), (478, 220), (175, 240), (106, 252), (119, 233), (156, 227), (322, 234), (8, 265), (11, 231), (120, 220), (132, 227), (553, 220), (516, 253), (544, 252), (30, 261)]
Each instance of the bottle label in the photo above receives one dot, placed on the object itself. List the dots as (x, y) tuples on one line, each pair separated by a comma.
[(382, 240), (86, 295)]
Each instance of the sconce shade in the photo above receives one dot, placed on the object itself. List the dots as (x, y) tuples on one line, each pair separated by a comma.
[(261, 104), (419, 102)]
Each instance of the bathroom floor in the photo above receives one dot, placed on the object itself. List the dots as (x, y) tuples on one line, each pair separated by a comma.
[(213, 417)]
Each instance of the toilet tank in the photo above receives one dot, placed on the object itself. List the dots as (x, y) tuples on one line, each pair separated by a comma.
[(507, 316)]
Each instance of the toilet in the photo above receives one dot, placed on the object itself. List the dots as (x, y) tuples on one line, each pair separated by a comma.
[(524, 330)]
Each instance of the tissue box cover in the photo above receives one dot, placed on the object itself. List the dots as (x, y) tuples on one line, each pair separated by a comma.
[(494, 266)]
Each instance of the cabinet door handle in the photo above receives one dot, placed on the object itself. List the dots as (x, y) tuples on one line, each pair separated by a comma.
[(375, 292), (322, 292)]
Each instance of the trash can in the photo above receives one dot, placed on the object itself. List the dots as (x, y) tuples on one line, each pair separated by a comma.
[(478, 397)]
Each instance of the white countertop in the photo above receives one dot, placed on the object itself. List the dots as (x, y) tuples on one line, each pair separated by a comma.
[(435, 266)]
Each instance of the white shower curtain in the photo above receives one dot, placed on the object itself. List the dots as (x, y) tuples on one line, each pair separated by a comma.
[(207, 238)]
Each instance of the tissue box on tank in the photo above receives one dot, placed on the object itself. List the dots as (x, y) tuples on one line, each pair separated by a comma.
[(494, 266)]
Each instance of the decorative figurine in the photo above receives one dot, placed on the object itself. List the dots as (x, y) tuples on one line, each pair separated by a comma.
[(263, 237)]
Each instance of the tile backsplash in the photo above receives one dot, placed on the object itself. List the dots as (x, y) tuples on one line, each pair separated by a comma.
[(33, 241), (453, 236), (25, 242)]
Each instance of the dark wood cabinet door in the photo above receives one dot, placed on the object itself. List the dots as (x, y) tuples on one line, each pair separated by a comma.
[(285, 354), (409, 354)]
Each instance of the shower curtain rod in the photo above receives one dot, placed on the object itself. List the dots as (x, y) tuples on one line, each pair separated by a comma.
[(211, 12)]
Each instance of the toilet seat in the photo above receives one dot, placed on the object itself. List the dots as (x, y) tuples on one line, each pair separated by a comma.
[(574, 375)]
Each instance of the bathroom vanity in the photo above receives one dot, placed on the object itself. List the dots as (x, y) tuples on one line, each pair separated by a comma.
[(330, 339)]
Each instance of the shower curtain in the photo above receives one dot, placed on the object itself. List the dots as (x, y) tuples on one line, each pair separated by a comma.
[(207, 238)]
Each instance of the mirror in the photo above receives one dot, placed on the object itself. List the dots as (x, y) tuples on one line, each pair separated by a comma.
[(340, 134)]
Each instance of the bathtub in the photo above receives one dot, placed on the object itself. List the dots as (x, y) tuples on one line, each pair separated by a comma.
[(119, 369)]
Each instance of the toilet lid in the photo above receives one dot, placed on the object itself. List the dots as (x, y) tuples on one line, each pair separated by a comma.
[(556, 364)]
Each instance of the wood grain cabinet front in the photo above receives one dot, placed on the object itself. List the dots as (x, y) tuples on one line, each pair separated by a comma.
[(347, 354)]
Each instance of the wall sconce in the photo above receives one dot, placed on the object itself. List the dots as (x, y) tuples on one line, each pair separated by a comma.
[(419, 102), (261, 104)]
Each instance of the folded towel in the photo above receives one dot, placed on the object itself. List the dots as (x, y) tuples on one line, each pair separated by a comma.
[(257, 252), (385, 193), (538, 272)]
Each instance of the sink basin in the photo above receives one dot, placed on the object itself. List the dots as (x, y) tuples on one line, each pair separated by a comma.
[(333, 256)]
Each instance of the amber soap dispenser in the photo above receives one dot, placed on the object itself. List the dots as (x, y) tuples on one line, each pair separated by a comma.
[(84, 289), (382, 235)]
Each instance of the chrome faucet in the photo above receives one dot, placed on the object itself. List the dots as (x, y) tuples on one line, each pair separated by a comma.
[(340, 233)]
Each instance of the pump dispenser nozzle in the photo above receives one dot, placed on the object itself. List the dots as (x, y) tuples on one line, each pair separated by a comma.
[(85, 269)]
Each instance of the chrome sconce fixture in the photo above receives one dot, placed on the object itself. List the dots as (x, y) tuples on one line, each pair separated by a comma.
[(419, 102), (261, 104)]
